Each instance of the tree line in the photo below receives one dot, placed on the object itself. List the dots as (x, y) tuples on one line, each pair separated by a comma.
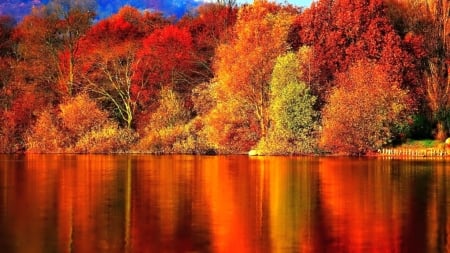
[(340, 76)]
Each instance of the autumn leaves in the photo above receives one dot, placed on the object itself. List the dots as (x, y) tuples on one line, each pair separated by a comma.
[(341, 77)]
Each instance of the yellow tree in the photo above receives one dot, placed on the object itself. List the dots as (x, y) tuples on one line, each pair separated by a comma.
[(244, 65)]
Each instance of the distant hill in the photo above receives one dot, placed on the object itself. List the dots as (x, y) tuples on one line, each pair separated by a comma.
[(18, 9)]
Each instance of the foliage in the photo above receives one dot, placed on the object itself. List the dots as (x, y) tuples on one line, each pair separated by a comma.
[(109, 138), (166, 125), (345, 31), (107, 70), (421, 127), (293, 118), (18, 117), (231, 134), (164, 59), (45, 136), (211, 26), (80, 115), (243, 70), (78, 126), (365, 110), (37, 51), (221, 78)]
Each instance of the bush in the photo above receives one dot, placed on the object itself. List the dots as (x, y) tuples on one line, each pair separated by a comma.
[(79, 126), (365, 111), (168, 131), (45, 136), (110, 138), (80, 115)]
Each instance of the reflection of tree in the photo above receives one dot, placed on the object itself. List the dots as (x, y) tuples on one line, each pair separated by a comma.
[(443, 238), (362, 213), (293, 187), (415, 229), (168, 207), (222, 204)]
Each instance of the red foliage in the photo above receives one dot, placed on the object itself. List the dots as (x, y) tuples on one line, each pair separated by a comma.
[(129, 24), (342, 32), (211, 26), (20, 114), (164, 59)]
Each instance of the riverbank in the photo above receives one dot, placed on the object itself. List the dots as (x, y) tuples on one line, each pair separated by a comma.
[(417, 148)]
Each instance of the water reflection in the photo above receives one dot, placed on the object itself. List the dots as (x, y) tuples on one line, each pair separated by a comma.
[(129, 203)]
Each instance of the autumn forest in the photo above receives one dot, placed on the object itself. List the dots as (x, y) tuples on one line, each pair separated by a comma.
[(341, 77)]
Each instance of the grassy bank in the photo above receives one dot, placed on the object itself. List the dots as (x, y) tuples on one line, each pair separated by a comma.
[(418, 148)]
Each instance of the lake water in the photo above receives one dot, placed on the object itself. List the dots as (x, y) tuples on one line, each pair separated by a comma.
[(133, 203)]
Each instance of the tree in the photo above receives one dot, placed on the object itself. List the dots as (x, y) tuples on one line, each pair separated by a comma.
[(365, 112), (7, 55), (244, 65), (80, 115), (18, 116), (45, 136), (37, 51), (109, 54), (294, 122), (210, 27), (72, 19), (437, 80), (164, 59), (425, 25), (343, 32), (166, 125)]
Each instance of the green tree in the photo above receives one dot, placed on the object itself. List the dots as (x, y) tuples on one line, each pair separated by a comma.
[(293, 118)]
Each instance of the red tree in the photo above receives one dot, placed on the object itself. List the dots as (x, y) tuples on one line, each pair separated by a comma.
[(342, 32), (165, 59), (108, 53)]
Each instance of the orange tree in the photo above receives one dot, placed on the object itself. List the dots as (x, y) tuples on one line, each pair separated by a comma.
[(365, 110), (243, 71)]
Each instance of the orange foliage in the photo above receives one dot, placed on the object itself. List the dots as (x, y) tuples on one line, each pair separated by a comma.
[(17, 120), (211, 26), (45, 136), (243, 71), (235, 134), (365, 111), (80, 115), (38, 65)]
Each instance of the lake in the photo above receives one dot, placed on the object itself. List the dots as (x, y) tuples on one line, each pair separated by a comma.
[(139, 203)]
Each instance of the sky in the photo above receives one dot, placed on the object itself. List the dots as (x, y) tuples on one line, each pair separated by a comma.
[(20, 8)]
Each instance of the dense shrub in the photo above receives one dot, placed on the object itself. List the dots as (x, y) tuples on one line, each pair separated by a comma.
[(45, 136), (80, 115), (365, 111), (78, 126), (167, 131), (110, 138)]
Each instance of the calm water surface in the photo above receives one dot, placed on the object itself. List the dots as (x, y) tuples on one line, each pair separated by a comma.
[(129, 203)]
